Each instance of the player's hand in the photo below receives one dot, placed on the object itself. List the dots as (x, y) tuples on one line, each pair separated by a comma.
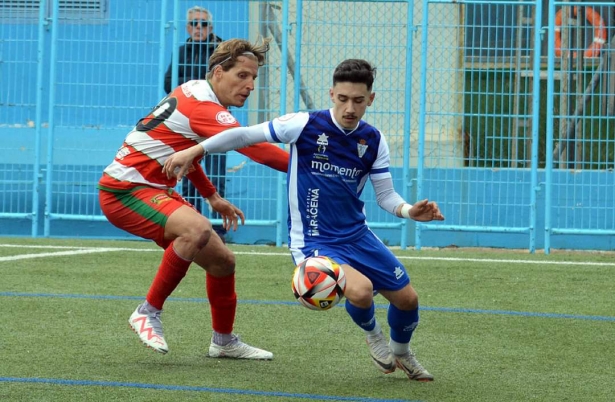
[(178, 164), (425, 211), (229, 212)]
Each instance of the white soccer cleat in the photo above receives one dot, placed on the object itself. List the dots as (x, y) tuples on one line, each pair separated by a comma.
[(412, 367), (236, 349), (149, 328), (381, 353)]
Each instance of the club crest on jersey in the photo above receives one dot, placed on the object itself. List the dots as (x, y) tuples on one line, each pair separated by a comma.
[(322, 143), (187, 92), (225, 118), (361, 148), (159, 199)]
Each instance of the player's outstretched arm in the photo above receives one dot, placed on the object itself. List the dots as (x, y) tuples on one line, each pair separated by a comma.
[(239, 137), (422, 211)]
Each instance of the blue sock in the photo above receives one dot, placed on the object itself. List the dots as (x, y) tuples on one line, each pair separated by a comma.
[(363, 317), (402, 323)]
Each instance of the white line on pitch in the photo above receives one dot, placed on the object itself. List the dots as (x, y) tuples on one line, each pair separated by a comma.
[(88, 250), (39, 246), (74, 247), (62, 253), (598, 264)]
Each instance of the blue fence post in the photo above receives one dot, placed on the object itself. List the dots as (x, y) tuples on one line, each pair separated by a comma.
[(161, 53), (280, 225), (175, 45), (535, 126), (422, 110), (38, 121), (407, 183), (52, 94), (550, 117)]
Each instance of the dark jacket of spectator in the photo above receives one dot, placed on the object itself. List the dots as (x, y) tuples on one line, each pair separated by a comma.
[(193, 61)]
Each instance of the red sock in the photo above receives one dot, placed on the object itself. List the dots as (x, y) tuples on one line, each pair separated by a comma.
[(172, 270), (222, 301)]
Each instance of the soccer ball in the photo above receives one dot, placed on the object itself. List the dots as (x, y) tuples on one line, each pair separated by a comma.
[(319, 283)]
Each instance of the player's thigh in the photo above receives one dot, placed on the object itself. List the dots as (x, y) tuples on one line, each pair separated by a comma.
[(142, 211), (187, 222), (359, 289)]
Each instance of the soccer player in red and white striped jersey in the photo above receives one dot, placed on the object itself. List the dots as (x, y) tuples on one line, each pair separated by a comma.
[(136, 195)]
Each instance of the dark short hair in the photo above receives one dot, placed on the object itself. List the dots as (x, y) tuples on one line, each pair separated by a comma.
[(357, 71)]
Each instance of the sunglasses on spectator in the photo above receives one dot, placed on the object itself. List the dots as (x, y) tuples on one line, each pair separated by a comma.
[(202, 23)]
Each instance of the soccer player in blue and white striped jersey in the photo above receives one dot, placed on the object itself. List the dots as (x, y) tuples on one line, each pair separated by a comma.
[(333, 153)]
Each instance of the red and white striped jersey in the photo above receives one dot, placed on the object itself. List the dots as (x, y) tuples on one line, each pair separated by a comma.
[(187, 116)]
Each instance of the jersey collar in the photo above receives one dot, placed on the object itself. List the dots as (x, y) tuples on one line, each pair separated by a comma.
[(342, 129)]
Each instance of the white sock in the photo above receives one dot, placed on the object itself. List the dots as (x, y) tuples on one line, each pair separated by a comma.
[(399, 349), (377, 329), (147, 308), (222, 339)]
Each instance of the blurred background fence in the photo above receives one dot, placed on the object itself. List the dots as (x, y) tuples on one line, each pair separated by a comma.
[(501, 111)]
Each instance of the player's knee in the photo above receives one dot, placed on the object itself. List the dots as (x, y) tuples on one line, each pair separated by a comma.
[(199, 234), (407, 304), (407, 299), (361, 295), (228, 262), (222, 264)]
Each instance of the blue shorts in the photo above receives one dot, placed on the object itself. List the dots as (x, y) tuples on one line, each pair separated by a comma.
[(367, 255)]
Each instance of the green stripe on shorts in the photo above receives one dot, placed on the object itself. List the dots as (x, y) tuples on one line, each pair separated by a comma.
[(140, 207)]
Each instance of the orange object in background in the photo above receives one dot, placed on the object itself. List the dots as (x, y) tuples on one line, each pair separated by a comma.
[(594, 18)]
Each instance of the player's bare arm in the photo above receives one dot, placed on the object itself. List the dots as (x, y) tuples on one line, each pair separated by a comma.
[(229, 212)]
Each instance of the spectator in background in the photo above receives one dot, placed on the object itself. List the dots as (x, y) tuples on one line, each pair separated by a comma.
[(192, 65), (194, 55)]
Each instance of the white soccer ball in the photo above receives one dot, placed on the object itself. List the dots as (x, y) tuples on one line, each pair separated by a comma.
[(319, 283)]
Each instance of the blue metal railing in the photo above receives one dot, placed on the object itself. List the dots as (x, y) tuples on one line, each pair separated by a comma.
[(468, 103)]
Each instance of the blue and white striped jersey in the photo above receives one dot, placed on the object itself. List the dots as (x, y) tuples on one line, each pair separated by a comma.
[(328, 169)]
